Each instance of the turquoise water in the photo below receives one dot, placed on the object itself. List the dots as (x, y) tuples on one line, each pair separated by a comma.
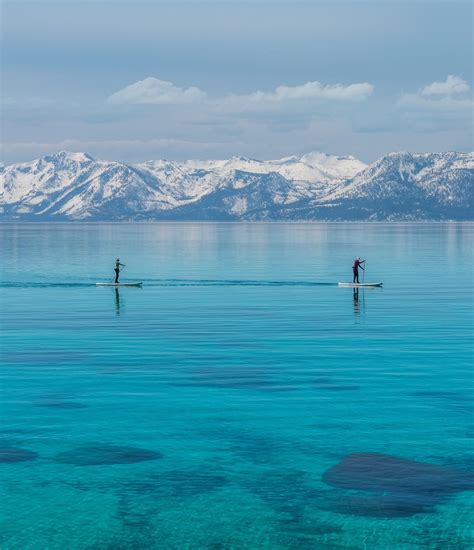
[(220, 406)]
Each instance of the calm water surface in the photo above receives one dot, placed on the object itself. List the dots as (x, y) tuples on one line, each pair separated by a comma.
[(240, 399)]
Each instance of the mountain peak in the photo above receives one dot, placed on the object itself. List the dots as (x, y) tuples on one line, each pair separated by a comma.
[(317, 186), (399, 154), (68, 155), (287, 160), (239, 158), (321, 156)]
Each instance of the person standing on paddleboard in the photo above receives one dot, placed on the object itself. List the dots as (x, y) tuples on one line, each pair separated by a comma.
[(355, 269), (117, 269)]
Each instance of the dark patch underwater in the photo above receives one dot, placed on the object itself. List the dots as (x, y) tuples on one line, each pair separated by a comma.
[(101, 455), (399, 487), (9, 455)]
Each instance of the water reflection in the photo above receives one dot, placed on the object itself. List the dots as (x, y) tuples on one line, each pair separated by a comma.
[(117, 301), (358, 298), (356, 301)]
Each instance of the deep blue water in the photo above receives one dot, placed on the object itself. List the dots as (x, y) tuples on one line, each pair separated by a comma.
[(240, 399)]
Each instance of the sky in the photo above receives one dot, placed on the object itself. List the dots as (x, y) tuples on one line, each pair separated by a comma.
[(148, 79)]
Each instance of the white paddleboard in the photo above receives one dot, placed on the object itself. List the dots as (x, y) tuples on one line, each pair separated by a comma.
[(357, 285), (119, 284)]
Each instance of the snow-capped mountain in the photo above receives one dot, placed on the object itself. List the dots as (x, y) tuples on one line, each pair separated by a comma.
[(316, 186), (403, 186)]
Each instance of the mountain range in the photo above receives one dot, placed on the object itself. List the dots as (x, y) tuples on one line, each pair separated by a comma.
[(316, 186)]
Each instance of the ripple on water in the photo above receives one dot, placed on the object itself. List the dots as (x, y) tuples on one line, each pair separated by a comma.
[(177, 483), (101, 455), (169, 483), (43, 357), (286, 491), (57, 404), (452, 399), (330, 384), (229, 377), (439, 394)]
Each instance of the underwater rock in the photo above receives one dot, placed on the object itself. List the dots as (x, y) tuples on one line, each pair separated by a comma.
[(403, 487), (378, 472), (9, 455), (101, 455), (379, 506)]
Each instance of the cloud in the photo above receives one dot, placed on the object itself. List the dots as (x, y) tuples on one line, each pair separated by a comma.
[(309, 91), (452, 85), (153, 91), (420, 103), (437, 98), (298, 102), (437, 107)]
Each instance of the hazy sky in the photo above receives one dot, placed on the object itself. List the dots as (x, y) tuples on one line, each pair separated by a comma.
[(131, 80)]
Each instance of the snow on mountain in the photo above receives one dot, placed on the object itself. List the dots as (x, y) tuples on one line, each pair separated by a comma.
[(334, 167), (74, 186), (406, 186), (28, 181), (197, 178)]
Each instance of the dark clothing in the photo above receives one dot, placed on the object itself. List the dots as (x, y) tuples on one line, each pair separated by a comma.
[(117, 270), (355, 269)]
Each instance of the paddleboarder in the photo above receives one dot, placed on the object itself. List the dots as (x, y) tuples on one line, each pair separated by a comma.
[(355, 269), (117, 269)]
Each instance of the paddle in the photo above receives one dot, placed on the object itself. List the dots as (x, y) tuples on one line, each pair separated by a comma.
[(363, 274)]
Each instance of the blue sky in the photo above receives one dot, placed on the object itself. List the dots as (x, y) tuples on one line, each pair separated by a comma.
[(138, 80)]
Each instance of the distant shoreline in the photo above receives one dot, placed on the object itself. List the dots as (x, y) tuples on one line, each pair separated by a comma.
[(235, 222)]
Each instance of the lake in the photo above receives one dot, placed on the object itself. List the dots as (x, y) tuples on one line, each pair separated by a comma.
[(240, 399)]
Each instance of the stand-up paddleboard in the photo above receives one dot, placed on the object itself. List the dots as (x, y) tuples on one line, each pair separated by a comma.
[(119, 284), (357, 285)]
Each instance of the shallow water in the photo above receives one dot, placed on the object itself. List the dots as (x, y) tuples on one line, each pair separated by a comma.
[(240, 399)]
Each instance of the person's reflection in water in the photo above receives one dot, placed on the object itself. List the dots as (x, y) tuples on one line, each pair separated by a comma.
[(117, 301), (356, 301)]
